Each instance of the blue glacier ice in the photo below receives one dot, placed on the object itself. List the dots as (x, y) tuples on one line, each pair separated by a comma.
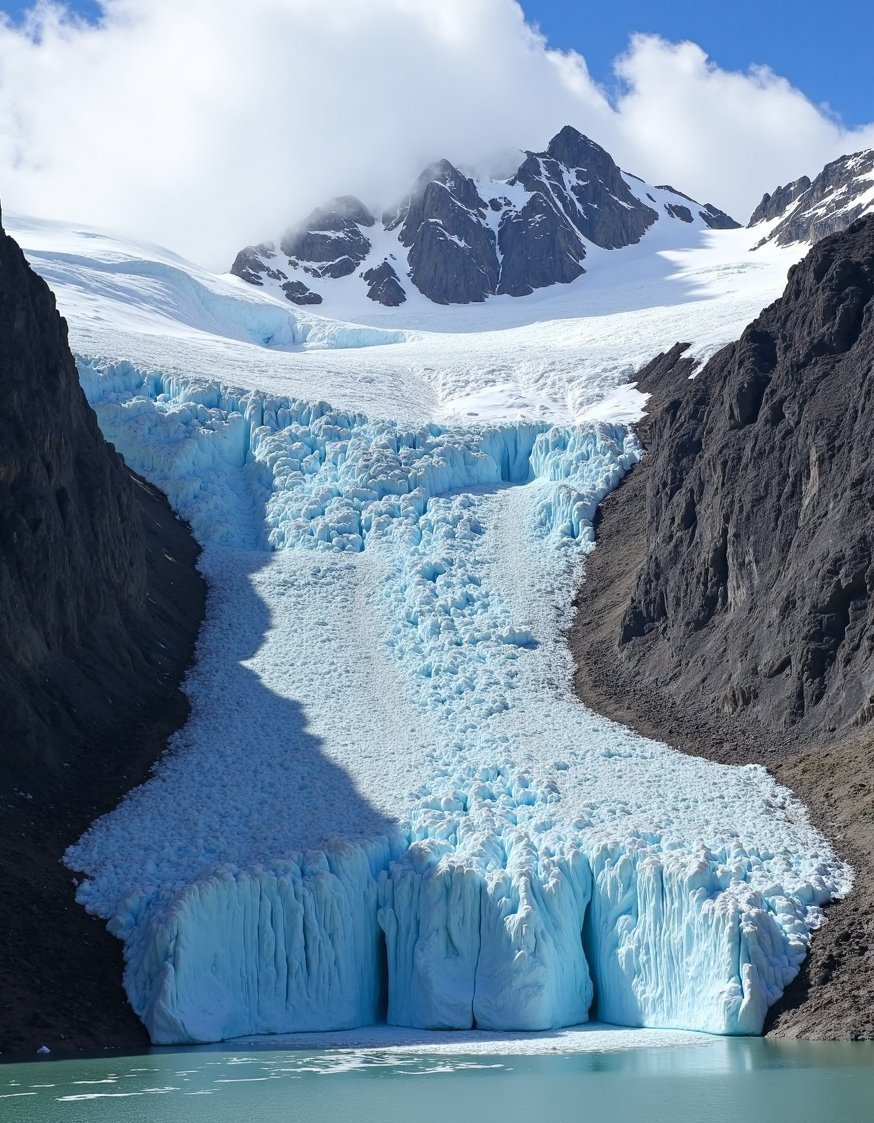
[(387, 804)]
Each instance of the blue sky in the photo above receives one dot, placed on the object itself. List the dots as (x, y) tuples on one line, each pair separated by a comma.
[(825, 52), (209, 124)]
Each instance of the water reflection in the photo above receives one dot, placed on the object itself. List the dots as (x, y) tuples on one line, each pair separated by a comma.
[(717, 1079)]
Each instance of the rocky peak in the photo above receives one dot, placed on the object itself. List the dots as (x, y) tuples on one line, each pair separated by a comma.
[(438, 190), (338, 213), (453, 257), (575, 150), (585, 186), (809, 210), (461, 240), (776, 204), (330, 242)]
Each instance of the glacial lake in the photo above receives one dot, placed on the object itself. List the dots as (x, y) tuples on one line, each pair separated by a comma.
[(703, 1080)]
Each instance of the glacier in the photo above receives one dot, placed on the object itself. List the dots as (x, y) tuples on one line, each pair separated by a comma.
[(386, 804)]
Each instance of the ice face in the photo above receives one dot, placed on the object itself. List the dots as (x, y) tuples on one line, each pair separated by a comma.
[(387, 803)]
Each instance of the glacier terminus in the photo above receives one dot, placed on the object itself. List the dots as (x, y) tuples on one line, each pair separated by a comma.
[(387, 805)]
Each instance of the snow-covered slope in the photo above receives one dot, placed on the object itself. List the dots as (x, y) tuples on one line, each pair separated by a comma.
[(386, 799), (564, 353), (805, 211), (456, 239)]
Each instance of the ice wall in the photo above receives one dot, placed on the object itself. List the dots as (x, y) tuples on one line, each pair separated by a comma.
[(484, 930), (501, 854), (295, 946), (681, 938)]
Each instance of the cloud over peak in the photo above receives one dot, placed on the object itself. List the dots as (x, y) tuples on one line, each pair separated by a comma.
[(206, 124)]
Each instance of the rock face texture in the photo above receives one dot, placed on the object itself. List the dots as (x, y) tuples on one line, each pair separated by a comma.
[(100, 604), (759, 586), (462, 240), (453, 259), (729, 606), (298, 293), (776, 205), (841, 193), (72, 556), (384, 286), (583, 181), (331, 241)]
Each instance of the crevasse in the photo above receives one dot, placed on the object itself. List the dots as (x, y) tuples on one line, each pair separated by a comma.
[(386, 803)]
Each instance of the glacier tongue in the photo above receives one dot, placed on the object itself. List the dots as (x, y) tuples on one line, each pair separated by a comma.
[(386, 802)]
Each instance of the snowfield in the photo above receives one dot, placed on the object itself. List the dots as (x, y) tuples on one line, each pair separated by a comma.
[(562, 354), (387, 803)]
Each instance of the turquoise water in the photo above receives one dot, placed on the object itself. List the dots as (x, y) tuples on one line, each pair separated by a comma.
[(718, 1080)]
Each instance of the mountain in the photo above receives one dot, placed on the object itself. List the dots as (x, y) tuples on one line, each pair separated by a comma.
[(414, 536), (806, 211), (763, 540), (460, 240), (730, 603), (100, 604)]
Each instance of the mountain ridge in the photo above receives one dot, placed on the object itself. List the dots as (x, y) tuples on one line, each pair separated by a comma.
[(806, 210), (459, 240)]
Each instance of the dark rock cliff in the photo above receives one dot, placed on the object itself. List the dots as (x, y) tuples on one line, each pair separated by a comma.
[(758, 589), (72, 558), (100, 604), (331, 241), (452, 250), (595, 201), (728, 606), (773, 205)]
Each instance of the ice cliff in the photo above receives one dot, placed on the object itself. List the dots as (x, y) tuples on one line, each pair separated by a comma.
[(386, 803)]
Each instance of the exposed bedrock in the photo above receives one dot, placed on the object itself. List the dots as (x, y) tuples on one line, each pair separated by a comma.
[(756, 591), (99, 607), (331, 242), (808, 211), (728, 607), (461, 240)]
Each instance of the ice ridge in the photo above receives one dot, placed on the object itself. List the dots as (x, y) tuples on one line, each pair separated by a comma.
[(386, 803)]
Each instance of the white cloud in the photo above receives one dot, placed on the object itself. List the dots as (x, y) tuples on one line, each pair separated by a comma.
[(727, 135), (207, 124)]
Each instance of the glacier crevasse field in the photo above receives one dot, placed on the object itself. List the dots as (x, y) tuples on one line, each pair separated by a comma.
[(500, 848), (387, 804)]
